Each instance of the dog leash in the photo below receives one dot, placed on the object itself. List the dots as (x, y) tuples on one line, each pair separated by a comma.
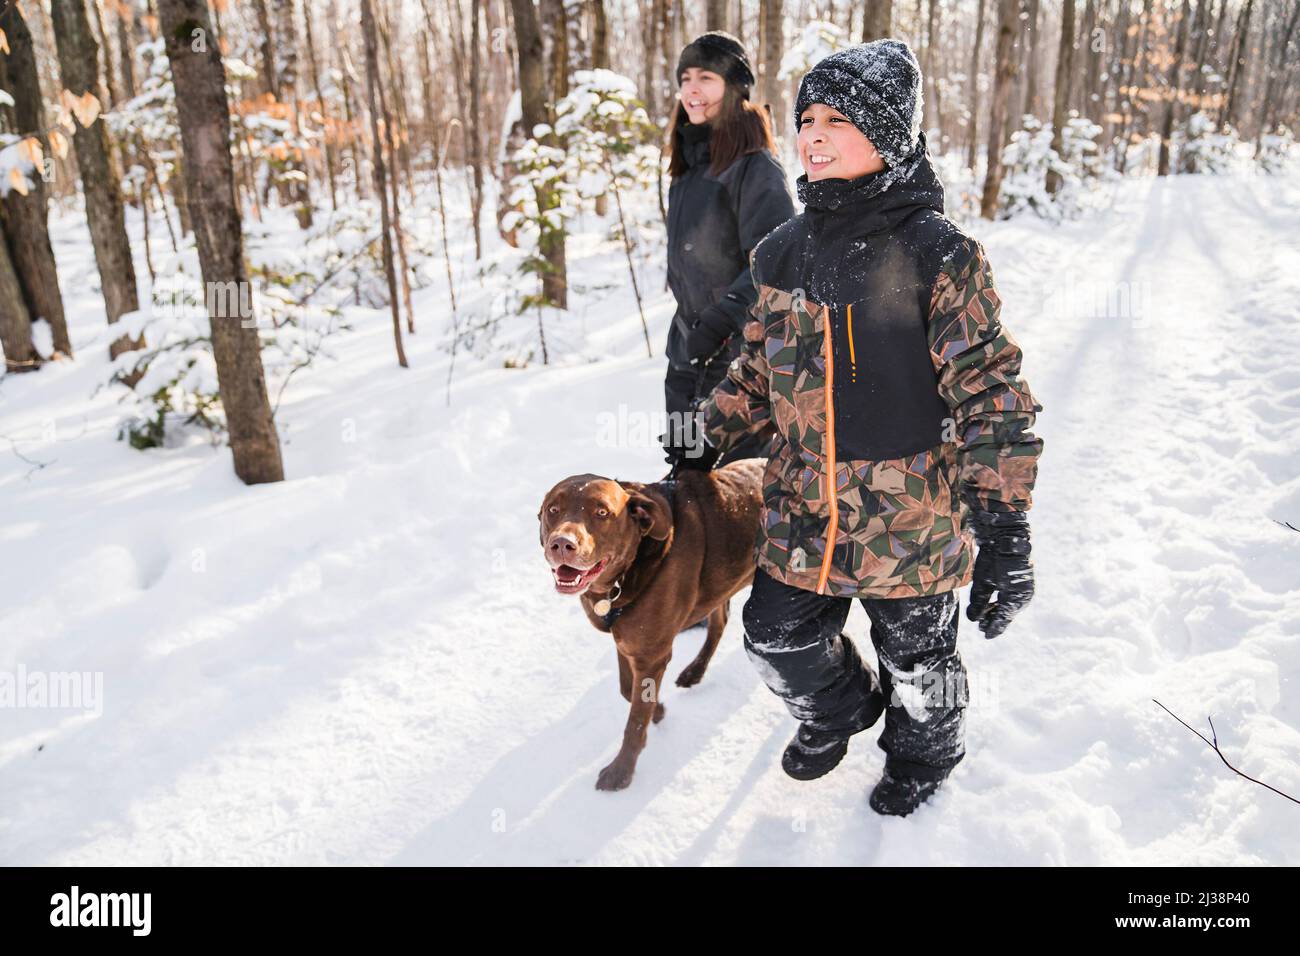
[(605, 606), (696, 398)]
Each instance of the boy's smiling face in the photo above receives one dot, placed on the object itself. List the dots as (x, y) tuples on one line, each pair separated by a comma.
[(831, 147)]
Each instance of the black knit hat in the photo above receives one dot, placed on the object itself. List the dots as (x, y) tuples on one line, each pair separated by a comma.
[(877, 86), (721, 53)]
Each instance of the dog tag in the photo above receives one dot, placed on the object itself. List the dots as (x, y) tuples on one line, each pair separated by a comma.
[(601, 607)]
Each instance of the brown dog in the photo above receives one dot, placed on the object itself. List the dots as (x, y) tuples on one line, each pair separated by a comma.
[(649, 560)]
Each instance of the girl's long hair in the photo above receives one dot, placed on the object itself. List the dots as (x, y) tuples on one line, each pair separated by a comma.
[(740, 128)]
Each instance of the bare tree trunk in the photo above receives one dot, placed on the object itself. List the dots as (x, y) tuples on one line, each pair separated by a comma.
[(15, 321), (600, 32), (326, 135), (401, 134), (142, 196), (1061, 95), (26, 216), (502, 76), (649, 16), (770, 19), (347, 75), (878, 21), (1004, 67), (667, 54), (151, 175), (931, 112), (1237, 64), (1117, 53), (1217, 46), (972, 124), (429, 113), (536, 109), (1128, 91), (109, 76), (381, 184), (555, 36), (473, 129), (203, 112), (1030, 105), (510, 141), (1175, 89), (1078, 58), (1095, 53), (398, 235), (182, 205), (266, 50), (715, 17), (458, 57), (1269, 111), (1201, 37), (348, 157), (78, 65), (125, 15), (295, 191)]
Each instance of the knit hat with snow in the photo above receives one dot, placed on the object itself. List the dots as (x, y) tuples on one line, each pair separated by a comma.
[(720, 53), (877, 86)]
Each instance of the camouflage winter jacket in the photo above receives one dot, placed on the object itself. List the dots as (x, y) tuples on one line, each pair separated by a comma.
[(884, 364)]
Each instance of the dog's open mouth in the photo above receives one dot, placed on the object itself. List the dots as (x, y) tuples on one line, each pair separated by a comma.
[(571, 580)]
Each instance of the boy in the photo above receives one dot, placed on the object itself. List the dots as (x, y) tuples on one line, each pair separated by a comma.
[(879, 359)]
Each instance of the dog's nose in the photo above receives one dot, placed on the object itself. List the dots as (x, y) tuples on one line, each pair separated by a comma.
[(562, 546)]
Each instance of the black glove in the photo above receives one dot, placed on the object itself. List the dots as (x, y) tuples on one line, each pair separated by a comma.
[(1002, 565), (707, 334), (700, 457)]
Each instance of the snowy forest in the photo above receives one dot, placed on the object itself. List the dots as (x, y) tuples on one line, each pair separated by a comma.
[(305, 304)]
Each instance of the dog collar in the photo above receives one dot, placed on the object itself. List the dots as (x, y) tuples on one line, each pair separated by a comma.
[(604, 605)]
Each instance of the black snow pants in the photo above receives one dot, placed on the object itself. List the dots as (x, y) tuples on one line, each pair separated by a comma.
[(793, 637)]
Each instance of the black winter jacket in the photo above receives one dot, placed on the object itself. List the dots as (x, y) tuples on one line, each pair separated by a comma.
[(713, 224), (881, 253), (894, 388)]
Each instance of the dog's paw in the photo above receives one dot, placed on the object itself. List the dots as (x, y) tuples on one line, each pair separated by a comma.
[(614, 777), (659, 713), (691, 675)]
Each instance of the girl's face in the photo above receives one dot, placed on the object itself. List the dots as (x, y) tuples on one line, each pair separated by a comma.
[(701, 93), (831, 147)]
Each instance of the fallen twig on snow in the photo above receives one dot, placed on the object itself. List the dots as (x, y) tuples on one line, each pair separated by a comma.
[(36, 465), (1214, 744)]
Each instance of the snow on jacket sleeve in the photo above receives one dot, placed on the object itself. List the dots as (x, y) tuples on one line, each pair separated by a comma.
[(761, 202), (978, 364), (739, 405)]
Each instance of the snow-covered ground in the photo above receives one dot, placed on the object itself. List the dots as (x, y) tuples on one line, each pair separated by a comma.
[(368, 664)]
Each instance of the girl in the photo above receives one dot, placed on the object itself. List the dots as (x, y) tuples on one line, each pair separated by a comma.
[(728, 191), (880, 358)]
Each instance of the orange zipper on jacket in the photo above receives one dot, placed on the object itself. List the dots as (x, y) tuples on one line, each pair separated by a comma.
[(832, 490), (853, 359)]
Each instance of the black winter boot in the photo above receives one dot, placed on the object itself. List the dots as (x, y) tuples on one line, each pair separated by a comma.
[(899, 796), (813, 753)]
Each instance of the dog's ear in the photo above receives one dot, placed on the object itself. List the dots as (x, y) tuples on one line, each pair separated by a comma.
[(650, 510)]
